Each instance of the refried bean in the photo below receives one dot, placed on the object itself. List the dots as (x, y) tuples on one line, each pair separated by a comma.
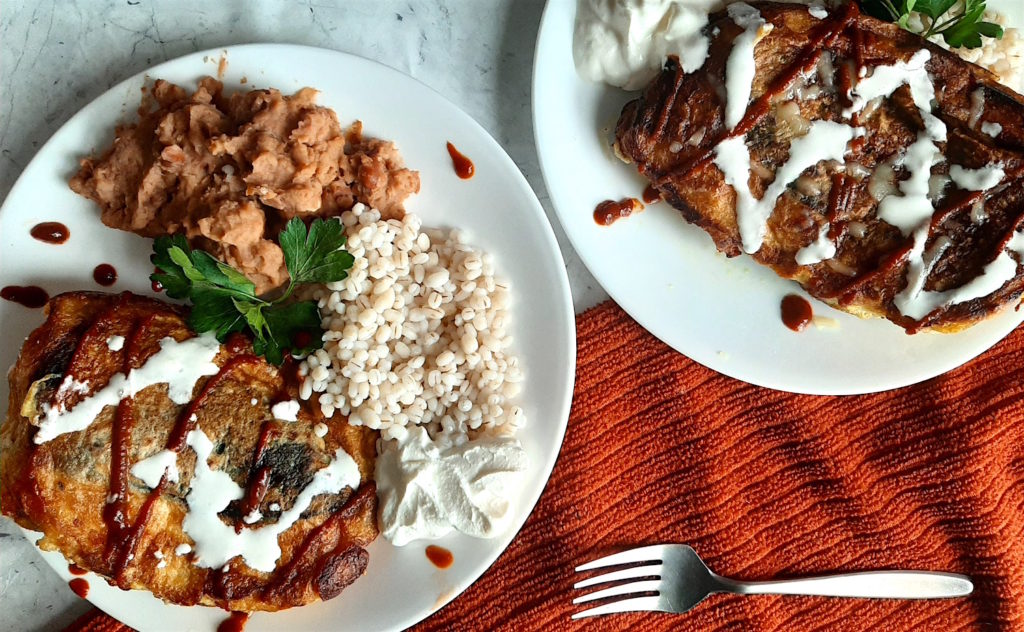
[(228, 171)]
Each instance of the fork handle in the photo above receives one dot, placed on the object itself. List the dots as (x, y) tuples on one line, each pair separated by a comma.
[(872, 585)]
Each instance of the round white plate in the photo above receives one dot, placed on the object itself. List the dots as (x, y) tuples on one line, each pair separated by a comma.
[(497, 209), (723, 313)]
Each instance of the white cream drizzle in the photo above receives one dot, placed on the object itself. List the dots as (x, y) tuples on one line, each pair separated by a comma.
[(977, 179), (215, 542), (912, 211), (285, 411), (179, 364), (908, 210), (740, 67), (115, 343), (151, 469), (885, 80), (917, 303), (818, 250), (977, 106), (919, 266), (992, 129), (825, 140)]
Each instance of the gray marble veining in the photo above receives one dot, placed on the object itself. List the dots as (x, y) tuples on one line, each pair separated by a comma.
[(55, 57)]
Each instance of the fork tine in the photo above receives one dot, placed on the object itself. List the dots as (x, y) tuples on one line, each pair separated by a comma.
[(623, 589), (626, 573), (626, 605), (651, 553)]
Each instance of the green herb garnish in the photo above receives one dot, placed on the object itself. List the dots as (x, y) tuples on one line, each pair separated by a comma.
[(961, 28), (223, 299)]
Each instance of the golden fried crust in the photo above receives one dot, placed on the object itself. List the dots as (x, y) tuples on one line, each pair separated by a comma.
[(670, 132), (61, 487)]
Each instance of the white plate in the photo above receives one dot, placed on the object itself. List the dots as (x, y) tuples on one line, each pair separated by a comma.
[(496, 208), (723, 313)]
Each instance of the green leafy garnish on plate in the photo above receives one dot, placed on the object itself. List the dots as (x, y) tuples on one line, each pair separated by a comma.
[(959, 23), (223, 299)]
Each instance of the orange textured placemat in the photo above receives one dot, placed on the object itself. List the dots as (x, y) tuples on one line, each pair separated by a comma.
[(765, 484)]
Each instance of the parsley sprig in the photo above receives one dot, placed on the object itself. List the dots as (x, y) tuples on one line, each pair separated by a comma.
[(224, 300), (960, 28)]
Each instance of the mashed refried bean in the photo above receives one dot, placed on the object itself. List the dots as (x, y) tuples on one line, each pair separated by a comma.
[(229, 171)]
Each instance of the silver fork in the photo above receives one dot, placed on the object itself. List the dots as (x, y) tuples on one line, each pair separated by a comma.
[(684, 581)]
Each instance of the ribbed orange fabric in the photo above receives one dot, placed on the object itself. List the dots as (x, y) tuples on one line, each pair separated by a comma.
[(765, 485)]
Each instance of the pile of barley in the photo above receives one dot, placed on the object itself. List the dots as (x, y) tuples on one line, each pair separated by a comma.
[(417, 334)]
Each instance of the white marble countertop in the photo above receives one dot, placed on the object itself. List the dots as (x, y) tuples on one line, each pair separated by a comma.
[(58, 56)]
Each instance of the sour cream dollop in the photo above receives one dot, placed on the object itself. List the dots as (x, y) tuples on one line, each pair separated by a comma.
[(625, 42), (426, 490)]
